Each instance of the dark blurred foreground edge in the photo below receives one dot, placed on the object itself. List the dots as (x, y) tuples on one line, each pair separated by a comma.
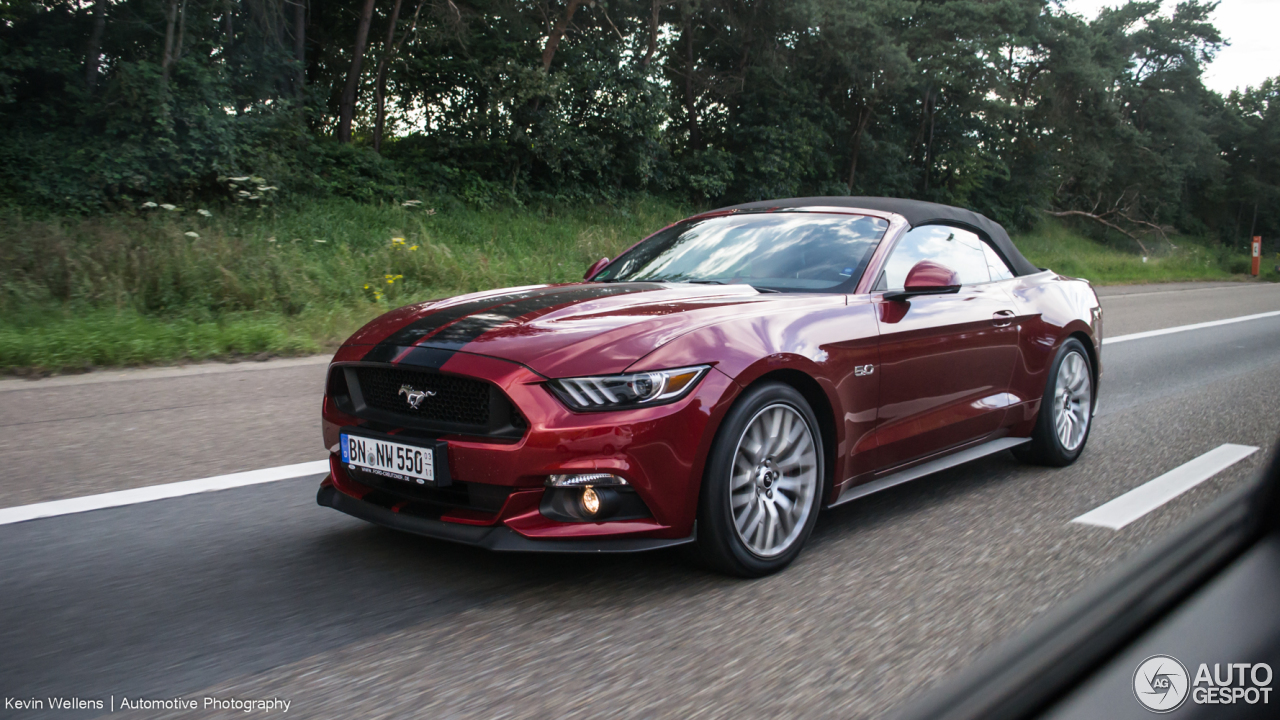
[(1211, 588)]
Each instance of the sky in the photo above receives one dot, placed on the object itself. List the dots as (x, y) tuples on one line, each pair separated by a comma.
[(1248, 25)]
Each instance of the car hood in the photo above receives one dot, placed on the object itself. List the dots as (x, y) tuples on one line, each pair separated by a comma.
[(566, 330)]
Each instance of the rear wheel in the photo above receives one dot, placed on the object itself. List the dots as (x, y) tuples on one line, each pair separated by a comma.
[(1066, 410), (762, 487)]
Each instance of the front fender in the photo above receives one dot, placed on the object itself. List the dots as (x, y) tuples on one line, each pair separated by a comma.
[(823, 343)]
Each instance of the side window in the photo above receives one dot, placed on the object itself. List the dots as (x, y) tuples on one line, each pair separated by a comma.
[(995, 264), (960, 250)]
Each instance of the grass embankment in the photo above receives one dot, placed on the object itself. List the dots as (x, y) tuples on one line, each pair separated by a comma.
[(1056, 247), (172, 285), (176, 285)]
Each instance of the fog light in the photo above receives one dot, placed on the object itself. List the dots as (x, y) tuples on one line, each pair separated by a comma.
[(590, 500), (598, 479)]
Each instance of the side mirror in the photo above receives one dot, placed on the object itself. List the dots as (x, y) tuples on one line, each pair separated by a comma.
[(596, 267), (926, 278)]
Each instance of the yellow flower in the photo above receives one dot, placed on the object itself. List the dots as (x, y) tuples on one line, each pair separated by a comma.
[(397, 241), (415, 247)]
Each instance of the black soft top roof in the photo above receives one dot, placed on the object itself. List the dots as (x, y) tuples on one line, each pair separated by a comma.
[(917, 212)]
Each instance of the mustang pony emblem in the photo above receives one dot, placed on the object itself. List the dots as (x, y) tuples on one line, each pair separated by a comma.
[(415, 397)]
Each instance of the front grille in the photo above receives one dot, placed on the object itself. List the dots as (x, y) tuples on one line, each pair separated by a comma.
[(456, 400), (459, 406)]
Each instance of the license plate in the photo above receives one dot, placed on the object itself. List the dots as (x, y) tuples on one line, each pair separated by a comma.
[(408, 463)]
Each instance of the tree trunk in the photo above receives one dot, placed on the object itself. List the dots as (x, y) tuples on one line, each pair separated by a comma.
[(93, 55), (864, 119), (690, 109), (171, 20), (300, 45), (557, 33), (182, 30), (380, 79), (347, 110), (653, 37), (229, 21), (928, 150)]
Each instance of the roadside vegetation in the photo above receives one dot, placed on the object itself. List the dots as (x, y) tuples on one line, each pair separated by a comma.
[(173, 285), (245, 178)]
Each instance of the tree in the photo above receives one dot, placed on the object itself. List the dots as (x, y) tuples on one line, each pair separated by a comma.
[(93, 55), (348, 108), (1012, 107)]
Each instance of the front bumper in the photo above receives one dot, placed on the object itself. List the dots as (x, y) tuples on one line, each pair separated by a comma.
[(502, 539), (661, 452)]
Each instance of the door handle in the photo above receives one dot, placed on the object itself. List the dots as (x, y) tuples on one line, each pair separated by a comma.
[(1002, 318)]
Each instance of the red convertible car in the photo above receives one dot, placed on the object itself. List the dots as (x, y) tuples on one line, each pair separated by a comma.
[(719, 383)]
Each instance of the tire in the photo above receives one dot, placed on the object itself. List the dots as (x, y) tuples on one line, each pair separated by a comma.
[(759, 502), (1066, 410)]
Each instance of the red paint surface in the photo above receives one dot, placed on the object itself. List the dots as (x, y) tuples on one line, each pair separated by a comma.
[(929, 274)]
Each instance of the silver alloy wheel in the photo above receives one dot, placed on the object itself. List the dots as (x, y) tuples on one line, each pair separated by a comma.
[(775, 476), (1072, 401)]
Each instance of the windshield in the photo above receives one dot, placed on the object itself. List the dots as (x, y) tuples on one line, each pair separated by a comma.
[(791, 251)]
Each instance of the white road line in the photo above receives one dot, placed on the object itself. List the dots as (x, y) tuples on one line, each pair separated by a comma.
[(22, 513), (1145, 498), (1184, 328)]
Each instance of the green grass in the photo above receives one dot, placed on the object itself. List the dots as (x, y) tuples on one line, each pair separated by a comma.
[(111, 338), (131, 290), (1056, 247), (137, 289)]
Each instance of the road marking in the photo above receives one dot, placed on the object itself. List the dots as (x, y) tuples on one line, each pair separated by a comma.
[(1145, 498), (1184, 328), (22, 513)]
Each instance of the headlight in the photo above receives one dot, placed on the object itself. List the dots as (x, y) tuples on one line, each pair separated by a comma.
[(619, 392)]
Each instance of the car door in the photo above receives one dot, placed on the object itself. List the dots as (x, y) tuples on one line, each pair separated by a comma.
[(945, 360)]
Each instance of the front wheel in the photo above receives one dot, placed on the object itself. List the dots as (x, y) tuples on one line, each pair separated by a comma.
[(1066, 410), (762, 487)]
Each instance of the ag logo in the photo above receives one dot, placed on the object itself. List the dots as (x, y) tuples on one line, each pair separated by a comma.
[(1161, 683)]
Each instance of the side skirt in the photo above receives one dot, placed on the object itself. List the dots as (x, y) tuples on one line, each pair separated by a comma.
[(928, 468)]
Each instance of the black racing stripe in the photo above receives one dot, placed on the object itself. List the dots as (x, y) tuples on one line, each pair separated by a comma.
[(418, 356), (413, 332), (469, 328)]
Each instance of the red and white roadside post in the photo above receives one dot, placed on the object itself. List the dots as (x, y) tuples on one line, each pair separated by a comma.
[(1257, 254)]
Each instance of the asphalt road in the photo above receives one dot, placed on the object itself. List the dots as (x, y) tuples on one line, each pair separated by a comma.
[(257, 592)]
